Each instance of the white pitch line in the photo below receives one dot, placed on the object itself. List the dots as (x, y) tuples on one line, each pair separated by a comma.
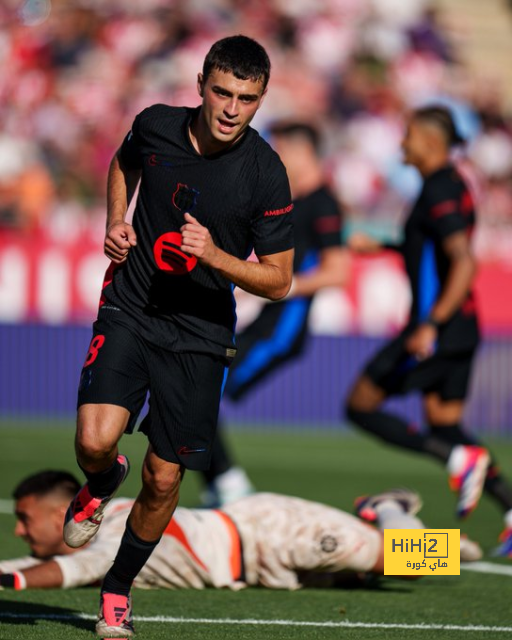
[(346, 624), (487, 567)]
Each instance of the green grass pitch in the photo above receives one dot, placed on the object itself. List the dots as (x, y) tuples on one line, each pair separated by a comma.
[(333, 468)]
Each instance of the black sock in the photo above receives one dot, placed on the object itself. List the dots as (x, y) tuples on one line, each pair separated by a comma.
[(132, 556), (221, 458), (395, 430), (497, 487), (454, 434), (103, 483)]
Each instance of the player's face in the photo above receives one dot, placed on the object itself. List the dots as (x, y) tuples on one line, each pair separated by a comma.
[(415, 143), (39, 523), (289, 150), (229, 104)]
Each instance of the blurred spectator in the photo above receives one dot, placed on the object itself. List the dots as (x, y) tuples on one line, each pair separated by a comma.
[(73, 75)]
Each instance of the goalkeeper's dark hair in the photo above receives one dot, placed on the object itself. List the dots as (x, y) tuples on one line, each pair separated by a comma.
[(442, 118), (245, 58), (46, 482), (290, 129)]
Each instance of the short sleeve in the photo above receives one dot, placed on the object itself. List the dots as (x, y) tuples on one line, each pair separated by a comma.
[(327, 223), (130, 149), (450, 209), (272, 219)]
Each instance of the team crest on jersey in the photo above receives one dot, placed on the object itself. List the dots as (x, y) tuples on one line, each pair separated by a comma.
[(184, 198), (328, 544)]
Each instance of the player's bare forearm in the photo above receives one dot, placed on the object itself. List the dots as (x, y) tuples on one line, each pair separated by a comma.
[(119, 236), (44, 576), (332, 271), (460, 277), (121, 186), (270, 277)]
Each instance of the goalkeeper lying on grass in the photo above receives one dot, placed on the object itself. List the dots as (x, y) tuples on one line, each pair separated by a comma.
[(264, 539)]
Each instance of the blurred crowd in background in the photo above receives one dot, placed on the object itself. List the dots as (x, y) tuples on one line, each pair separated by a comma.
[(74, 74)]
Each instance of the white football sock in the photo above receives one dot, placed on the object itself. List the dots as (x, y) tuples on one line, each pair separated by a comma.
[(390, 515)]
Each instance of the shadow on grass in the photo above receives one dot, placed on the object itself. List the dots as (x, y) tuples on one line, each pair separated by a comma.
[(29, 614)]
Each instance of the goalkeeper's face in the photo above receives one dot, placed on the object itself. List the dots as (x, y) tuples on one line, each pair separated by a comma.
[(39, 521)]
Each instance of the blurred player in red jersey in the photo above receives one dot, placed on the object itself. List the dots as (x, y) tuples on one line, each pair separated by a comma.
[(435, 351), (279, 332)]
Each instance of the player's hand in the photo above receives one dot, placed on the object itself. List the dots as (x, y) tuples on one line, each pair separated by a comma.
[(119, 239), (197, 241), (363, 243), (421, 343)]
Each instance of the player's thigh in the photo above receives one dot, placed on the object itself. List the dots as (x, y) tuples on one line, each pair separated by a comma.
[(185, 393), (114, 380), (99, 427)]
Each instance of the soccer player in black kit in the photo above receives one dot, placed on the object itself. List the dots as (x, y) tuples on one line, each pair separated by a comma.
[(435, 351), (280, 330), (211, 191)]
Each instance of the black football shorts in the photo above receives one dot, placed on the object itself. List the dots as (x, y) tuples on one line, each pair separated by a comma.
[(398, 372), (184, 390)]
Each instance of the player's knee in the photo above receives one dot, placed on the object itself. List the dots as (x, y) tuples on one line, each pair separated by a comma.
[(363, 397), (91, 446)]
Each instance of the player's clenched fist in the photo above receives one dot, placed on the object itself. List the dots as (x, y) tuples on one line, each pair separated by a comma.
[(197, 241), (119, 239)]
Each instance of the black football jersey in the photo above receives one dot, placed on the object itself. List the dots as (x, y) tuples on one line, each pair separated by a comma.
[(317, 223), (444, 206), (241, 195)]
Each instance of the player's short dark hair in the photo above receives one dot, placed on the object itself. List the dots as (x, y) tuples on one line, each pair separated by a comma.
[(46, 482), (242, 56), (296, 129), (441, 117)]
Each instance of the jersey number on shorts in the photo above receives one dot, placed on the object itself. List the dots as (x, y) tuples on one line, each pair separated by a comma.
[(96, 343)]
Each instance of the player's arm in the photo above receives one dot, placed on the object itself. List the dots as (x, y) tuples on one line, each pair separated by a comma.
[(460, 277), (270, 277), (458, 284), (451, 216), (333, 271), (46, 575), (121, 185)]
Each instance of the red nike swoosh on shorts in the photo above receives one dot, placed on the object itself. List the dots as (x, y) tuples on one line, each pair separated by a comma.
[(185, 450)]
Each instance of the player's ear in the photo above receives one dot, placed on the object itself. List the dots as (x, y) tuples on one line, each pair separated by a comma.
[(262, 99), (200, 84)]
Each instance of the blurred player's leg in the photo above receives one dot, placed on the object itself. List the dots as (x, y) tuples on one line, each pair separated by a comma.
[(363, 409), (444, 419), (225, 482)]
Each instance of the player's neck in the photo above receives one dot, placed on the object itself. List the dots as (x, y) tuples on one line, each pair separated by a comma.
[(433, 163)]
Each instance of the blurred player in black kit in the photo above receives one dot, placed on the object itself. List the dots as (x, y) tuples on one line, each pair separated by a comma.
[(211, 191), (280, 330), (435, 351)]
